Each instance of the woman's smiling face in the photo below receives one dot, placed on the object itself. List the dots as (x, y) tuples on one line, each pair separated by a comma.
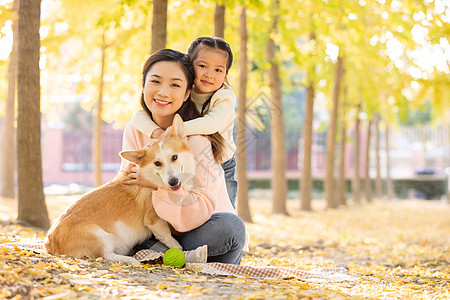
[(165, 90)]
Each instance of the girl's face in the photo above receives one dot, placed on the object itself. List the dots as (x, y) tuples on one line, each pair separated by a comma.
[(165, 90), (210, 70)]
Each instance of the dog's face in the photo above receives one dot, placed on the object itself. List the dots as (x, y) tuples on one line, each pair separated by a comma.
[(167, 163)]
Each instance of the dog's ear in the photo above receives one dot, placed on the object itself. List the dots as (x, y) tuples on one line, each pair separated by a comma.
[(178, 128), (134, 156)]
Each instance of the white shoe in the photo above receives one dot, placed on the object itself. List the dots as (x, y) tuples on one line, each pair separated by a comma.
[(199, 255)]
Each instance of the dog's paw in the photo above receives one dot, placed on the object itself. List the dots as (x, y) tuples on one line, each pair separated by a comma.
[(122, 258), (171, 243), (175, 245), (130, 260)]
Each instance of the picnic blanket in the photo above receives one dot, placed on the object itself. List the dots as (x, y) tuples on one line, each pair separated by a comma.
[(265, 272)]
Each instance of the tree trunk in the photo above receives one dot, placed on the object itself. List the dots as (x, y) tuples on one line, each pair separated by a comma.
[(32, 209), (448, 168), (219, 21), (356, 185), (159, 25), (342, 187), (331, 138), (278, 151), (306, 177), (97, 134), (378, 180), (389, 185), (367, 180), (243, 207), (7, 150)]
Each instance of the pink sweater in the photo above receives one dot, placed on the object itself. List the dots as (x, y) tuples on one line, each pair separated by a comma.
[(187, 210)]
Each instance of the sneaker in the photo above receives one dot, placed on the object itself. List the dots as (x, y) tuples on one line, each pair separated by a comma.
[(199, 255)]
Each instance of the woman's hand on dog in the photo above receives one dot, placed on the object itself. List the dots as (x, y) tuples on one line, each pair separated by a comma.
[(136, 178)]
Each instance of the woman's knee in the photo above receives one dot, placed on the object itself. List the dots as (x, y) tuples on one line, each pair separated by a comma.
[(229, 225)]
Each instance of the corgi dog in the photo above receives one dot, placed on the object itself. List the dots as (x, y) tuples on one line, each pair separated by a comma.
[(110, 220)]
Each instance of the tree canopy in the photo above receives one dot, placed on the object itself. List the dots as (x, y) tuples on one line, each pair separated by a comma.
[(396, 52)]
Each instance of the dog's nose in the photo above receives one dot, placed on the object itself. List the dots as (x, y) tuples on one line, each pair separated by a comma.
[(173, 181)]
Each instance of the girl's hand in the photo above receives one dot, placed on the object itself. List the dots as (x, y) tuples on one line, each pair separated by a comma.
[(137, 179)]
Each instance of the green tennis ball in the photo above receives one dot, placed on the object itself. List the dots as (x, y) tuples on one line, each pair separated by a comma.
[(174, 257)]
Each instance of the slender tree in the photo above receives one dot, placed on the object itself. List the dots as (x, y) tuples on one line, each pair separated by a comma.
[(159, 25), (278, 147), (389, 184), (219, 20), (243, 207), (367, 180), (378, 180), (331, 138), (32, 209), (97, 129), (306, 176), (342, 189), (7, 150), (356, 183), (305, 183)]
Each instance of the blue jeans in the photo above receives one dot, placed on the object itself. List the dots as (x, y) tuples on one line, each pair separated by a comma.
[(229, 167), (224, 234)]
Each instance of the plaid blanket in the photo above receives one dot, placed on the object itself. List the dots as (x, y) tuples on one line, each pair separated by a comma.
[(268, 272)]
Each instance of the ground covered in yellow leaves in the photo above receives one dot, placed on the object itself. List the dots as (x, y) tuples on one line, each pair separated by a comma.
[(399, 250)]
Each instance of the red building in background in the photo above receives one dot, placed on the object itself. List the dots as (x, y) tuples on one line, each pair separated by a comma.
[(67, 149)]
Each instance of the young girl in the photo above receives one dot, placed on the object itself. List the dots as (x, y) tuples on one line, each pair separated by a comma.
[(213, 98)]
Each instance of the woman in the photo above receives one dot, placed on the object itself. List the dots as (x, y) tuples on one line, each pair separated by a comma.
[(204, 215)]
